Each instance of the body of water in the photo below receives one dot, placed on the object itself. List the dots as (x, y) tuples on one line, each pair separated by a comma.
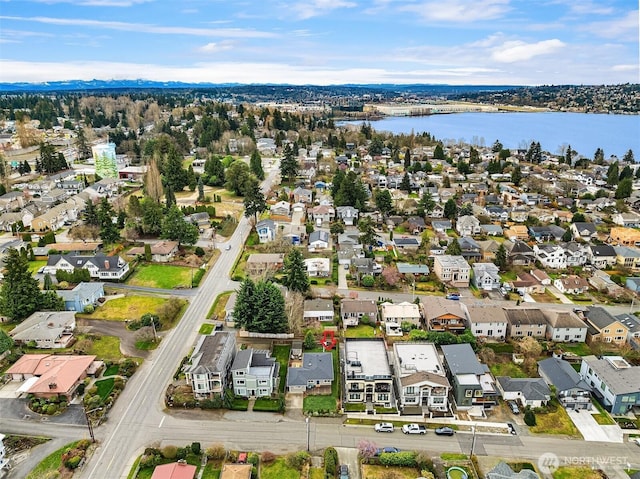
[(615, 134)]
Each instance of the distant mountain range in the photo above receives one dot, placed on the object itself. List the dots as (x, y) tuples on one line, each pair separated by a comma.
[(111, 85)]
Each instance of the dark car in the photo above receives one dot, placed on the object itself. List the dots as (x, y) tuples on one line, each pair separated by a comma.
[(344, 471), (444, 431), (512, 429), (388, 449), (453, 296)]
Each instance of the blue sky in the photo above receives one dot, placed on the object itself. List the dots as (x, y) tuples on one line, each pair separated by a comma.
[(322, 41)]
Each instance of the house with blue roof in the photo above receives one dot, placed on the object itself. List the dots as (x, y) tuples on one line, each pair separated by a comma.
[(81, 296)]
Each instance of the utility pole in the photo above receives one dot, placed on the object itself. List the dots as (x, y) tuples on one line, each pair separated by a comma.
[(307, 421), (89, 425)]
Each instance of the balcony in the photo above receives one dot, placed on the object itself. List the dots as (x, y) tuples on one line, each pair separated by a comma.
[(383, 388)]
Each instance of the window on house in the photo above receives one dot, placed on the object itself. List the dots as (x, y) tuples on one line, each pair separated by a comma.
[(468, 393)]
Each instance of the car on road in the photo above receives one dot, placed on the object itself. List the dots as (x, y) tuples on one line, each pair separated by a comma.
[(514, 407), (453, 296), (512, 429), (387, 449), (637, 440), (384, 427), (414, 429), (228, 247), (344, 471), (444, 431)]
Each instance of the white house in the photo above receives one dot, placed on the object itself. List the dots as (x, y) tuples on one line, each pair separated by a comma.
[(318, 267), (486, 276), (532, 392), (318, 240), (210, 363), (571, 284), (318, 310), (46, 329), (565, 327), (393, 315), (468, 226), (486, 321), (254, 373), (550, 255)]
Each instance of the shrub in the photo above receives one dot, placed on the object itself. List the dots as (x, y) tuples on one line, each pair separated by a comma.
[(297, 460), (368, 281), (217, 452), (529, 418), (199, 251), (88, 309), (169, 452), (52, 409), (268, 457), (401, 459), (330, 461), (73, 462), (182, 453), (195, 448)]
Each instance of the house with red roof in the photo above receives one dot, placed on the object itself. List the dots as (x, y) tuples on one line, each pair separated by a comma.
[(175, 470), (48, 375)]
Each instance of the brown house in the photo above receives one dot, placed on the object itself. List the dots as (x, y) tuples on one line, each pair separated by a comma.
[(443, 315), (523, 322)]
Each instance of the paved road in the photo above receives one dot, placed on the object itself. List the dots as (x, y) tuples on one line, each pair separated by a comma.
[(138, 413)]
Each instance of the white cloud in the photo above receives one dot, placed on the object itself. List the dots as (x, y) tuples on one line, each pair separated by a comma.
[(517, 51), (459, 11), (625, 68), (586, 7), (314, 8), (624, 28), (215, 47), (147, 28)]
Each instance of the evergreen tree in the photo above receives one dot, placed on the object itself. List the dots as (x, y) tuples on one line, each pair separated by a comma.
[(405, 184), (427, 203), (438, 152), (176, 228), (175, 176), (598, 157), (288, 164), (626, 172), (628, 157), (450, 209), (237, 175), (108, 229), (254, 202), (200, 189), (612, 174), (309, 340), (169, 196), (454, 248), (255, 165), (568, 156), (214, 169), (624, 189), (407, 159), (82, 146), (384, 202), (446, 182), (47, 282), (20, 294), (260, 308), (367, 232), (152, 215), (497, 146), (90, 213), (192, 182), (501, 257), (295, 272), (516, 175)]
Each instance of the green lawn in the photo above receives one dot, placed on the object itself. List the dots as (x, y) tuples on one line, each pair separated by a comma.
[(319, 403), (218, 307), (105, 387), (508, 276), (162, 276), (50, 463), (206, 328), (555, 422), (453, 456), (500, 348), (278, 469), (567, 472), (147, 345), (267, 404), (581, 349), (360, 331), (507, 369), (210, 472), (281, 353), (36, 265), (107, 348), (111, 370), (128, 307), (603, 417)]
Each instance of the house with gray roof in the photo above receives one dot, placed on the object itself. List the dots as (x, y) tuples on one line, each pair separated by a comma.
[(108, 268), (486, 276), (523, 322), (83, 295), (532, 392), (318, 310), (314, 374), (46, 329), (254, 373), (473, 384), (209, 364), (615, 382), (503, 471), (571, 390), (414, 269), (266, 230), (318, 240), (352, 310)]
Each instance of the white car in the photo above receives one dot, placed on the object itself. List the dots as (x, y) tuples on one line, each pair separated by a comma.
[(227, 248), (384, 427), (414, 429)]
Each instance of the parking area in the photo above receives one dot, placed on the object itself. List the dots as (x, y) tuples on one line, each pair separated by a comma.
[(592, 431), (349, 456)]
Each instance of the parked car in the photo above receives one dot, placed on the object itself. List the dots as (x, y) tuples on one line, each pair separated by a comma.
[(414, 429), (344, 471), (388, 449), (445, 431), (228, 247), (384, 427), (637, 440), (453, 296), (512, 429), (514, 407)]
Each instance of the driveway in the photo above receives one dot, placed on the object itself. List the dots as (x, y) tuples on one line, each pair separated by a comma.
[(563, 299), (592, 431), (18, 409), (342, 277), (118, 329), (349, 456)]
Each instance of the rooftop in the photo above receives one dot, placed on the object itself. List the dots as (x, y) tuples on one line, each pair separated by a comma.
[(367, 357)]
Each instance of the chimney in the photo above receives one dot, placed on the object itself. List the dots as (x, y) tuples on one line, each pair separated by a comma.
[(106, 264)]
